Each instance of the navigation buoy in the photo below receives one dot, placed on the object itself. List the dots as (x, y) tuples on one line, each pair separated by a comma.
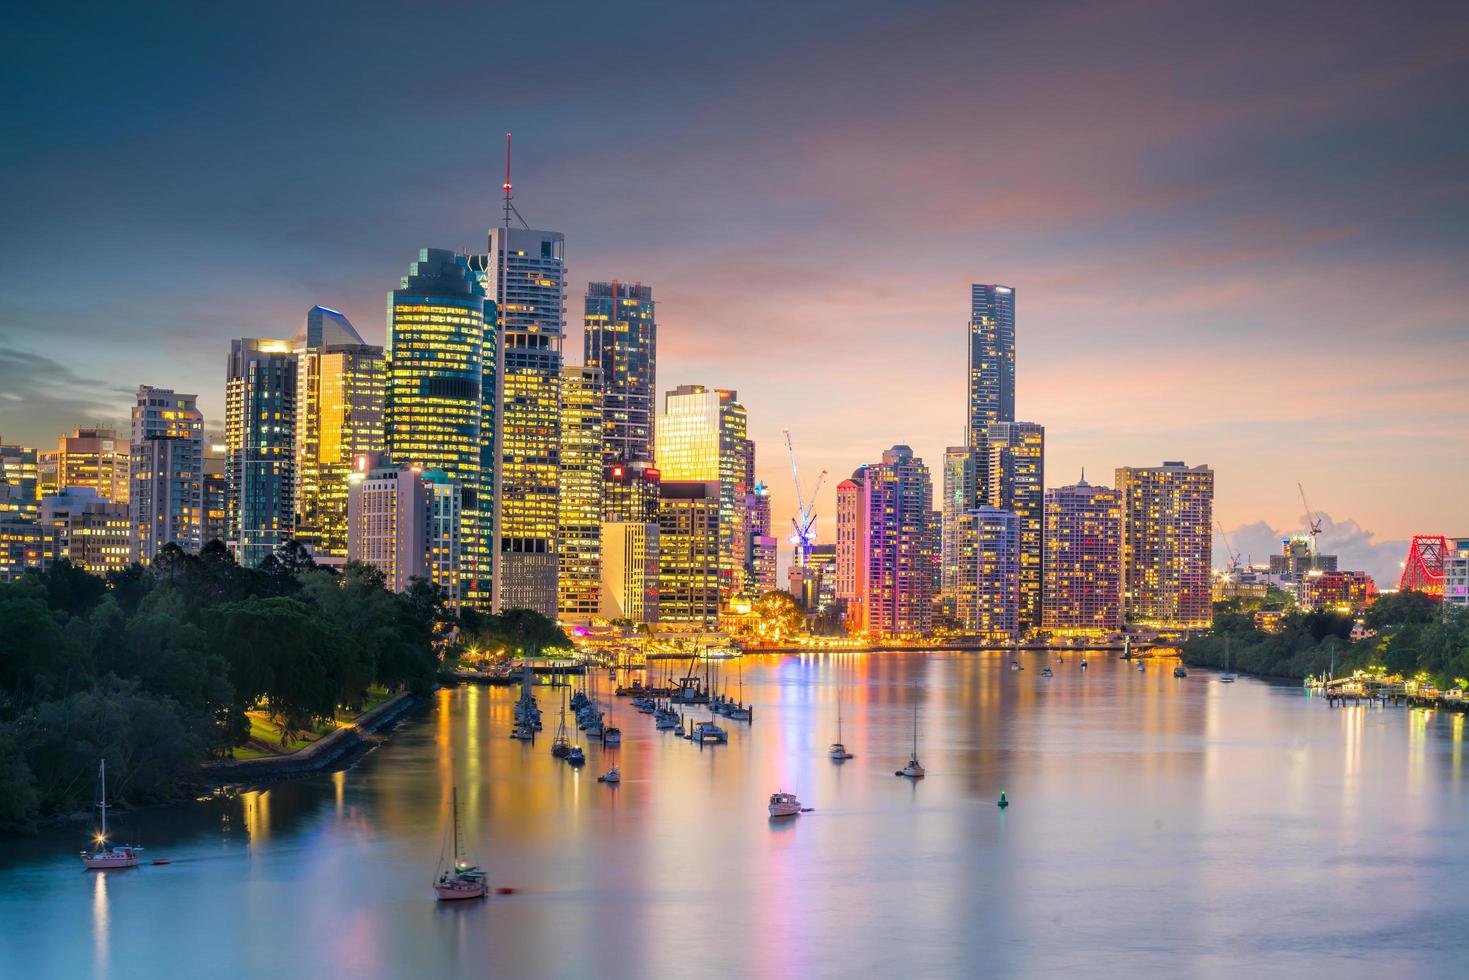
[(1003, 802)]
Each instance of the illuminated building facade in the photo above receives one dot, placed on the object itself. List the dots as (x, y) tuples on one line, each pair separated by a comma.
[(405, 522), (702, 437), (1344, 592), (893, 566), (1456, 572), (260, 440), (963, 491), (340, 399), (20, 534), (532, 295), (621, 338), (630, 492), (688, 552), (1296, 560), (752, 533), (1015, 474), (629, 571), (1083, 560), (851, 549), (437, 368), (991, 358), (19, 466), (96, 458), (987, 595), (166, 488), (579, 523), (1167, 537), (47, 465), (216, 521), (93, 533)]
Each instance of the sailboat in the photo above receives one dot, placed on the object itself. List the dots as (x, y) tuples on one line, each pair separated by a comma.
[(461, 879), (1226, 677), (740, 711), (105, 856), (913, 770), (560, 745), (838, 751)]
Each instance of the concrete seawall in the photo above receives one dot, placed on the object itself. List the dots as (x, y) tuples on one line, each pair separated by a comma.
[(329, 752)]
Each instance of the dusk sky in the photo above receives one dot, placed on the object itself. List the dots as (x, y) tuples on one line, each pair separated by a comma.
[(1238, 233)]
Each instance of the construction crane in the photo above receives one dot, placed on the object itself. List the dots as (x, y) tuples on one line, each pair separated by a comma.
[(1311, 519), (1228, 548), (804, 523)]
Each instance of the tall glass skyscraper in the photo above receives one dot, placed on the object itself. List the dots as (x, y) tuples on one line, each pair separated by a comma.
[(532, 327), (1016, 482), (991, 358), (622, 339), (579, 527), (702, 436), (439, 322), (166, 498), (260, 433)]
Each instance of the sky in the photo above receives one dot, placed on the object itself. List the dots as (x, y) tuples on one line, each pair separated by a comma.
[(1239, 234)]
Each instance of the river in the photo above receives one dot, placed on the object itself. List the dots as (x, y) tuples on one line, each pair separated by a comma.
[(1158, 826)]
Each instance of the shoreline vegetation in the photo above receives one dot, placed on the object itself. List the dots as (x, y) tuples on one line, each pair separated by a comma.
[(1408, 634)]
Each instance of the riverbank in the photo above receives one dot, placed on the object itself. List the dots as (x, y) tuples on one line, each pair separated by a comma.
[(330, 751)]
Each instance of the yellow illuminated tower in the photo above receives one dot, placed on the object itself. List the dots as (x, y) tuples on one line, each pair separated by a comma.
[(1015, 455), (1167, 537), (339, 416), (96, 458), (701, 435), (1083, 560), (579, 526)]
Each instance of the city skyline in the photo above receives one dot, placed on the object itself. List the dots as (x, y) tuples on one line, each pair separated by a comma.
[(1214, 261)]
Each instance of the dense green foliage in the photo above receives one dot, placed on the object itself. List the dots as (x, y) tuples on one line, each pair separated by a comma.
[(513, 633), (1413, 634), (155, 668)]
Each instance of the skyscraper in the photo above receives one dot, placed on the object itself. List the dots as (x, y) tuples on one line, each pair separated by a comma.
[(339, 414), (629, 571), (404, 522), (166, 492), (630, 492), (987, 595), (94, 457), (890, 508), (1083, 560), (21, 538), (579, 523), (702, 436), (622, 339), (1016, 481), (438, 325), (1167, 536), (18, 467), (260, 433), (758, 555), (991, 358), (963, 492), (90, 531), (532, 294), (688, 552)]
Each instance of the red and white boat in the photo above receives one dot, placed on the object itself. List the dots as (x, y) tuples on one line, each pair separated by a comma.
[(784, 805), (104, 855), (460, 879)]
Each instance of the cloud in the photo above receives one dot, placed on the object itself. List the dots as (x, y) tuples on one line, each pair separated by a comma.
[(39, 397), (1356, 548)]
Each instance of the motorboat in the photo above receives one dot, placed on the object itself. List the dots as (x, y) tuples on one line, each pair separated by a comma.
[(1047, 672), (784, 805), (105, 855), (612, 735), (1141, 666), (1083, 663), (612, 776), (576, 756), (665, 720), (1179, 671), (461, 879)]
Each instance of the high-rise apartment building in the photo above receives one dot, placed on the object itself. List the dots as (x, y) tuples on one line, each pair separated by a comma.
[(629, 571), (991, 358), (90, 531), (1167, 536), (94, 457), (689, 552), (166, 491), (987, 594), (621, 338), (19, 469), (1015, 481), (963, 491), (579, 522), (701, 437), (888, 550), (1083, 560), (405, 522), (1456, 572), (216, 490), (260, 436), (340, 395), (752, 533), (438, 366), (525, 271)]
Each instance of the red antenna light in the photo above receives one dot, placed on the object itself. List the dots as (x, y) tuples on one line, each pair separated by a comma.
[(507, 164)]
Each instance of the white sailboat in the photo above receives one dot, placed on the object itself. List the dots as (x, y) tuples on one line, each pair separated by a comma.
[(913, 770), (460, 879), (1226, 677), (104, 855), (838, 752)]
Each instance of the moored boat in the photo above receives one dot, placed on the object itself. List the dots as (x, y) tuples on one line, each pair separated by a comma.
[(784, 805), (461, 879), (105, 855)]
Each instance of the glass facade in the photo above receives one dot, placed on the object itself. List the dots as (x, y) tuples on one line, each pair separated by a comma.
[(1167, 541), (621, 338), (991, 358), (1083, 560), (579, 524), (260, 436), (1015, 480), (166, 492)]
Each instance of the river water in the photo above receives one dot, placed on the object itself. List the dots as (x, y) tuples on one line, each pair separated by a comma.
[(1158, 826)]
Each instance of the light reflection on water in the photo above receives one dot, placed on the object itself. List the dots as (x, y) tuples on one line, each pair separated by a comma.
[(1157, 825)]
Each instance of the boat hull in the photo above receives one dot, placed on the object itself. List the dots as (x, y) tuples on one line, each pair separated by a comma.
[(456, 893), (109, 862)]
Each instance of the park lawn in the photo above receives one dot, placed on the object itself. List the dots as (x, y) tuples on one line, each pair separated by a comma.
[(265, 734)]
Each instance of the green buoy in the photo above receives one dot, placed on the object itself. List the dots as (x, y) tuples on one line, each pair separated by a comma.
[(1003, 802)]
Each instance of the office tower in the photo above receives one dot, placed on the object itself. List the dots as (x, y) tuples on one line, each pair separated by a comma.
[(702, 436), (1083, 560), (991, 359), (260, 436), (629, 571), (405, 522), (48, 465), (1167, 535), (890, 505), (963, 492), (630, 492), (166, 487), (688, 552), (621, 338), (93, 457), (757, 544), (216, 521), (579, 521), (820, 580), (18, 466), (531, 295), (90, 531), (340, 394), (438, 365), (1015, 481)]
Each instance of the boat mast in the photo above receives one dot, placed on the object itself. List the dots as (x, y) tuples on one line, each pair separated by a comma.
[(454, 797), (102, 795)]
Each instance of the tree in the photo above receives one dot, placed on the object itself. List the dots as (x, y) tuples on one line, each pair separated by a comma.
[(1403, 608), (775, 617), (530, 633)]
